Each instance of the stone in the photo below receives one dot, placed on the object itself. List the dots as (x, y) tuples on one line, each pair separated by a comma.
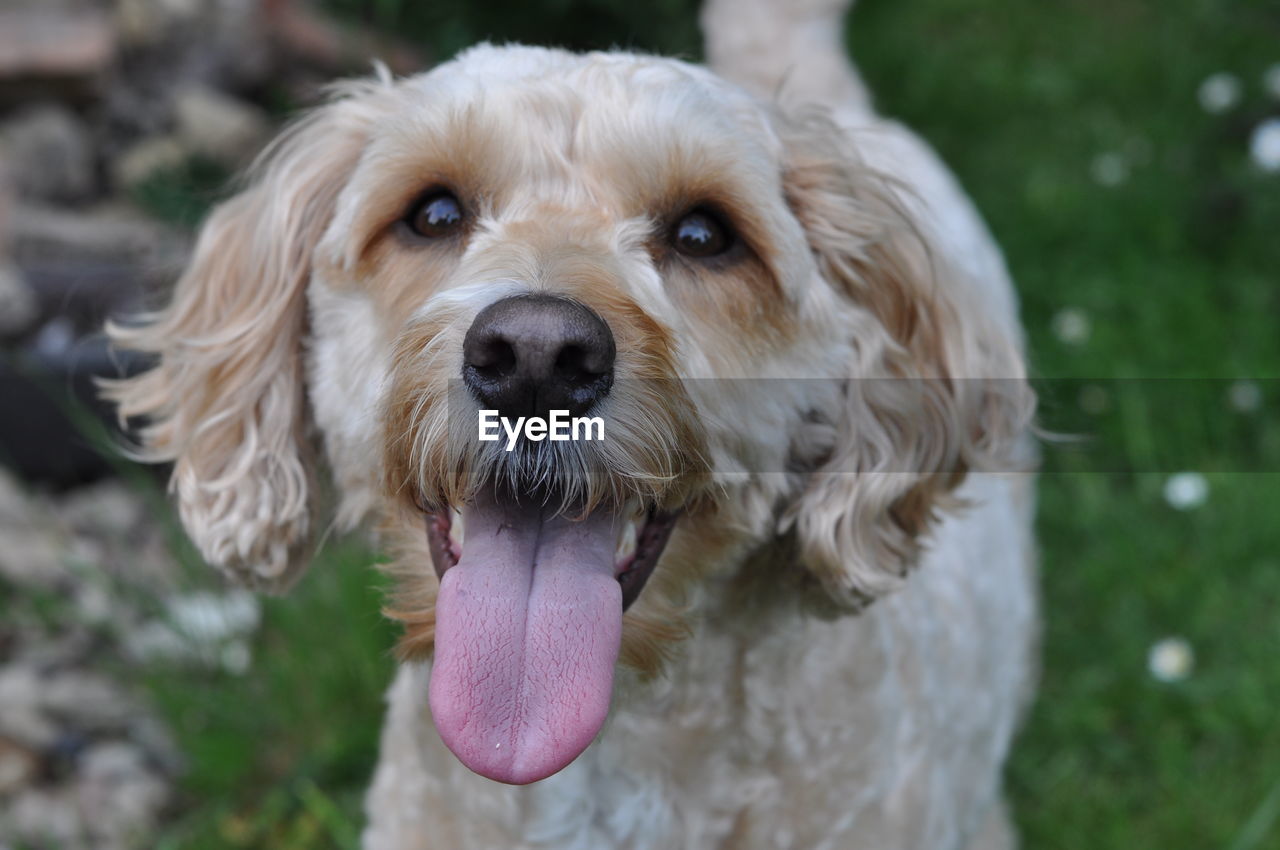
[(19, 308), (83, 764), (32, 554), (311, 37), (146, 22), (18, 766), (50, 154), (40, 41), (110, 232), (45, 818), (86, 701), (218, 126), (33, 558), (15, 507), (6, 204), (67, 647), (21, 718), (147, 158), (120, 797), (105, 509)]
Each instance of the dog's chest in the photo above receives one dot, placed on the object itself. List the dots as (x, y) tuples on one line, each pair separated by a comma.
[(872, 731), (727, 755)]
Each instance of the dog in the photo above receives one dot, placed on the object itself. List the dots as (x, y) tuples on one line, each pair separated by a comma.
[(787, 599)]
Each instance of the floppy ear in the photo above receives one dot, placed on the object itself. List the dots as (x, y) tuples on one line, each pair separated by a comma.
[(225, 400), (937, 386)]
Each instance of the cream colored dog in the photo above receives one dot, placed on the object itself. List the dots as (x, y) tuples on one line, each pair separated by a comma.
[(787, 600)]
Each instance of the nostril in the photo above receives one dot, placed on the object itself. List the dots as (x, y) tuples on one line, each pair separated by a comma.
[(571, 363), (496, 358)]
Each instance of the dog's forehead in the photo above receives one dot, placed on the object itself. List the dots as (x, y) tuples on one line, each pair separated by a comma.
[(592, 105), (595, 76)]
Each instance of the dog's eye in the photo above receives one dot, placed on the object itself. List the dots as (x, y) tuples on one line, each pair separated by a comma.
[(438, 214), (701, 234)]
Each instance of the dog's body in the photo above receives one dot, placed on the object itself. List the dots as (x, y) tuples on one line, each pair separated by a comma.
[(883, 730), (759, 699)]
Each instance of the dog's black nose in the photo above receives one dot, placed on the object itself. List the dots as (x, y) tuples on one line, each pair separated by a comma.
[(529, 354)]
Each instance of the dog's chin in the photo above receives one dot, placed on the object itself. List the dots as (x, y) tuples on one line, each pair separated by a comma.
[(529, 624)]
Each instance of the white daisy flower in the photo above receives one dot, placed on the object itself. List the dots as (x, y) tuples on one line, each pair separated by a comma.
[(1219, 92), (236, 657), (1071, 325), (1264, 145), (211, 618), (1171, 659), (1186, 490), (1109, 169), (1271, 80), (201, 628), (1244, 396)]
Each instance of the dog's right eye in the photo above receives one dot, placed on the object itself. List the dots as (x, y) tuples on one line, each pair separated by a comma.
[(701, 234), (438, 214)]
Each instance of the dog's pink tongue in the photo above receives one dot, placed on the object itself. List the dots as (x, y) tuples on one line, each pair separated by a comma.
[(528, 625)]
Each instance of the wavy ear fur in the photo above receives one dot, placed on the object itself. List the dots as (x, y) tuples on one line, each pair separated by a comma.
[(225, 400), (936, 387)]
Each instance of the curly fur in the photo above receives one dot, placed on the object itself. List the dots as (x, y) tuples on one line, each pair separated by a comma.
[(837, 641)]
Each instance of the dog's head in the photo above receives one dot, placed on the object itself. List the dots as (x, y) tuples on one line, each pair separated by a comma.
[(753, 317)]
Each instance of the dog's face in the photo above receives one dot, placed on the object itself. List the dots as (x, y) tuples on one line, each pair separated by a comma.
[(618, 237)]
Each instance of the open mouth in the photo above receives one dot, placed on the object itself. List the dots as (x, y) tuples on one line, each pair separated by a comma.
[(529, 624), (641, 539)]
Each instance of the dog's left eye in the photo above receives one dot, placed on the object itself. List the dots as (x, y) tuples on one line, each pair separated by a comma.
[(438, 214), (701, 234)]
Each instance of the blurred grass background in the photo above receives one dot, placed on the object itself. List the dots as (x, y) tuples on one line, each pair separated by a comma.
[(1144, 244)]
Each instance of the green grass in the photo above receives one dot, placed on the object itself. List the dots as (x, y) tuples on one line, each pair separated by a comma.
[(1176, 268), (279, 757)]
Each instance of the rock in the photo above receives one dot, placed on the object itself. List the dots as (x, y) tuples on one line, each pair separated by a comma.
[(84, 266), (48, 43), (146, 159), (15, 508), (146, 22), (120, 796), (68, 647), (103, 510), (32, 554), (50, 155), (111, 232), (21, 718), (83, 764), (218, 126), (6, 204), (309, 36), (19, 308), (32, 558), (86, 701), (94, 603), (42, 818), (18, 766), (218, 42)]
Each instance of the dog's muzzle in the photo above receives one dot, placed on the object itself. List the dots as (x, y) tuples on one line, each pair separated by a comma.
[(532, 592)]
